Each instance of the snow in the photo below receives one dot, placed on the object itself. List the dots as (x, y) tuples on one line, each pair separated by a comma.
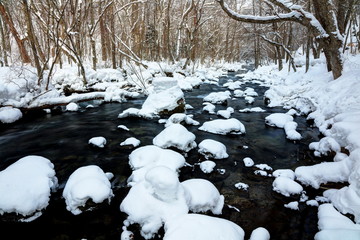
[(312, 203), (264, 166), (292, 205), (283, 120), (175, 135), (87, 183), (202, 196), (207, 166), (26, 185), (123, 127), (324, 146), (157, 102), (242, 186), (9, 114), (288, 173), (72, 107), (260, 233), (157, 199), (249, 99), (261, 173), (210, 108), (286, 186), (144, 158), (217, 97), (180, 118), (233, 85), (131, 141), (248, 162), (223, 126), (323, 173), (199, 227), (225, 113), (333, 225), (255, 109), (98, 141), (212, 149), (238, 93)]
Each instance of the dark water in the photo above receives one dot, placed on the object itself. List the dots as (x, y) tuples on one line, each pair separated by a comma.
[(64, 139)]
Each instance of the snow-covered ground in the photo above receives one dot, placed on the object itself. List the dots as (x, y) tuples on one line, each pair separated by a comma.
[(334, 105)]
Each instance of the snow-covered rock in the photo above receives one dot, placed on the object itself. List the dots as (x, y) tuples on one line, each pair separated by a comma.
[(180, 118), (154, 201), (9, 114), (242, 186), (72, 107), (207, 166), (203, 196), (144, 158), (223, 126), (333, 225), (248, 162), (226, 113), (212, 149), (260, 233), (325, 146), (98, 141), (286, 186), (292, 205), (87, 183), (200, 227), (218, 97), (176, 135), (26, 185), (254, 109), (288, 173), (286, 121), (210, 108), (131, 141)]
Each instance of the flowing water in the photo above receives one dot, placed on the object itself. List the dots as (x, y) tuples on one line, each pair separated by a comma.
[(63, 138)]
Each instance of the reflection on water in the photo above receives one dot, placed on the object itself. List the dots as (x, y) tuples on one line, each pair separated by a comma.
[(64, 139)]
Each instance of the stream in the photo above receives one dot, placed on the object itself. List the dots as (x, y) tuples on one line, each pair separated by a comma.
[(63, 139)]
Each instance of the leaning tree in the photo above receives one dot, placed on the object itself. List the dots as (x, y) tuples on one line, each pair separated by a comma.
[(327, 24)]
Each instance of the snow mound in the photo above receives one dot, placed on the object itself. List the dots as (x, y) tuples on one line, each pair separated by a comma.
[(323, 173), (324, 146), (98, 141), (286, 121), (242, 186), (233, 85), (254, 109), (25, 186), (72, 107), (225, 113), (176, 135), (202, 196), (333, 225), (238, 93), (210, 108), (207, 166), (85, 183), (144, 158), (286, 186), (157, 103), (131, 141), (212, 149), (180, 118), (200, 227), (260, 233), (292, 205), (218, 97), (9, 114), (223, 126), (288, 173), (157, 199), (248, 162)]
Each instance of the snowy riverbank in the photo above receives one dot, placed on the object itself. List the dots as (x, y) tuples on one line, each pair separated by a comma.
[(19, 88), (334, 107)]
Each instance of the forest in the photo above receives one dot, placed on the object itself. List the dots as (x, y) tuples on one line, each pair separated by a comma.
[(106, 33)]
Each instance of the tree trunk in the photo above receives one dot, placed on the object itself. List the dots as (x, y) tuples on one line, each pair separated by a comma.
[(30, 33), (7, 18)]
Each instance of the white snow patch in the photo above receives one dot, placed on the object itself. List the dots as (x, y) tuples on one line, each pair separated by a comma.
[(212, 149), (98, 141), (26, 185), (242, 186), (217, 97), (248, 162), (292, 205), (260, 233), (207, 166), (223, 126), (72, 107), (9, 114), (175, 135), (131, 141), (85, 183), (286, 186)]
